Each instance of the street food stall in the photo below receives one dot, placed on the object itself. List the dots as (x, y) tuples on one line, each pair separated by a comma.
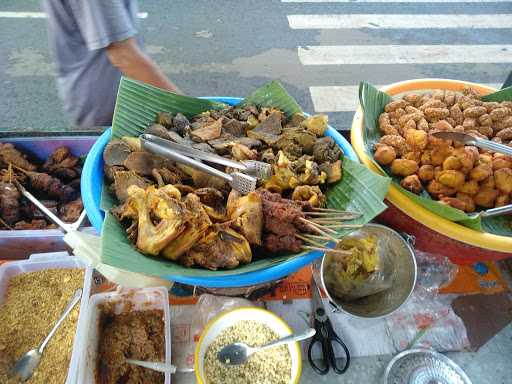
[(195, 233)]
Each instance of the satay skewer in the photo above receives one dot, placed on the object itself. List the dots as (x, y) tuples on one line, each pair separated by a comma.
[(343, 226), (346, 216), (337, 251), (320, 230)]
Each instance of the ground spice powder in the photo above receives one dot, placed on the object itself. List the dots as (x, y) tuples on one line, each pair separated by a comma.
[(33, 303)]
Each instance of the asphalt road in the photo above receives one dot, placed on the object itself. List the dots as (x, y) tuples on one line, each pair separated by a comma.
[(229, 48)]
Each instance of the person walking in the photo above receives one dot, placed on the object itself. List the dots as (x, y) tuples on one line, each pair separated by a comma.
[(94, 42)]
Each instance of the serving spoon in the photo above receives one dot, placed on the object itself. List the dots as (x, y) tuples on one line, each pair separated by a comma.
[(25, 366), (238, 353), (472, 140)]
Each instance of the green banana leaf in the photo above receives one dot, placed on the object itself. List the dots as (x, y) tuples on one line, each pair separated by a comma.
[(360, 190), (373, 102)]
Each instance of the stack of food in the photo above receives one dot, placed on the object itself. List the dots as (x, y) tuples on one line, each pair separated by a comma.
[(458, 175), (56, 182), (188, 216)]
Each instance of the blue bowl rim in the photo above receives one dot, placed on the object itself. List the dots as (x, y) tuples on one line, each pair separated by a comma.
[(91, 185)]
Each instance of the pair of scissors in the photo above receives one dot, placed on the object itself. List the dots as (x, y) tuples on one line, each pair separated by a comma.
[(326, 337)]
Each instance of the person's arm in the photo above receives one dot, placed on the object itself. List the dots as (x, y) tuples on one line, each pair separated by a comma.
[(132, 62)]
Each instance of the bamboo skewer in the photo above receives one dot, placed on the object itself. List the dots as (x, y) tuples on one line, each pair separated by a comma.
[(343, 226), (304, 238), (344, 253), (5, 224), (320, 230), (319, 237), (326, 221), (335, 210), (332, 214)]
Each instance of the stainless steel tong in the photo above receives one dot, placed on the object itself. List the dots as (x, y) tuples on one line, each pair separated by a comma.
[(239, 181), (258, 169)]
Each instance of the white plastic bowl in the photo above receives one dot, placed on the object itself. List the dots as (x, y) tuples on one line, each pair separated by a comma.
[(229, 318), (141, 299)]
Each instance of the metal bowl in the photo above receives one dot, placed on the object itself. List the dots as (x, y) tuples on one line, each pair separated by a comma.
[(423, 366), (403, 279)]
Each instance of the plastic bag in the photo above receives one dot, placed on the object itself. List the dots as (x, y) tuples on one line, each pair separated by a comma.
[(368, 270)]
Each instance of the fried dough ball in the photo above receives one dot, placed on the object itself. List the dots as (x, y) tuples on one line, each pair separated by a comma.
[(467, 157), (414, 156), (451, 178), (403, 167), (385, 125), (490, 182), (485, 158), (385, 154), (442, 125), (436, 189), (468, 200), (485, 197), (426, 158), (503, 178), (481, 172), (437, 171), (434, 142), (440, 153), (397, 142), (453, 202), (416, 139), (469, 187), (501, 161), (426, 172), (412, 183), (452, 162), (502, 200)]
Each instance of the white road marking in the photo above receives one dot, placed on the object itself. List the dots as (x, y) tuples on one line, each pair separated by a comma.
[(346, 21), (343, 98), (404, 54), (42, 15), (395, 1)]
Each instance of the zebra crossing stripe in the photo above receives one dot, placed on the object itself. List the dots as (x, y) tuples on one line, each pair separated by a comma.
[(350, 21), (404, 54), (343, 98)]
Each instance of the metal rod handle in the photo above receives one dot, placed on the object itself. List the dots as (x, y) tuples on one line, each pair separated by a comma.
[(175, 156), (288, 339), (71, 304), (496, 147), (497, 211)]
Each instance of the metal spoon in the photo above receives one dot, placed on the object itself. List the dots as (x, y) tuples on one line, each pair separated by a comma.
[(25, 366), (493, 211), (238, 353), (476, 141), (154, 365)]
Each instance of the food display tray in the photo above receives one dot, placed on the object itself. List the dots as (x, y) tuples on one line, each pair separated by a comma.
[(141, 299), (54, 261), (92, 182), (21, 244)]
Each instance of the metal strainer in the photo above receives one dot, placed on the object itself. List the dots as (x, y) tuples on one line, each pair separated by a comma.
[(423, 366)]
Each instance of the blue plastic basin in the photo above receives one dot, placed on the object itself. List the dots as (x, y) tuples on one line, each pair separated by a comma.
[(91, 185)]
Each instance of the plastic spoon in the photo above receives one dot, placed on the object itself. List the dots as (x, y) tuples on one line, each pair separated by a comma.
[(238, 353), (153, 365)]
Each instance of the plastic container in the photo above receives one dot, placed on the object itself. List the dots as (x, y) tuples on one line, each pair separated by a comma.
[(21, 244), (433, 234), (141, 299), (54, 261), (92, 182)]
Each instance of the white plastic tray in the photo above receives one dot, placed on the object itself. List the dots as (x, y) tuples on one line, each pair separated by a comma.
[(141, 299), (53, 261)]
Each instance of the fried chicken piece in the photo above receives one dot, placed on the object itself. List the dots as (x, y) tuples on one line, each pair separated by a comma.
[(221, 247), (384, 154), (246, 213), (309, 193), (161, 217), (60, 158), (333, 171), (195, 228), (403, 167), (71, 211), (124, 179), (412, 183), (316, 124), (213, 202), (10, 155)]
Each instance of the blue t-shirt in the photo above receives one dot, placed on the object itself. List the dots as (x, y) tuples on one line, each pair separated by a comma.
[(79, 31)]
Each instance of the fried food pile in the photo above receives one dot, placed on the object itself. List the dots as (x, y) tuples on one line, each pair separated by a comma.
[(56, 183), (184, 215), (464, 177)]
